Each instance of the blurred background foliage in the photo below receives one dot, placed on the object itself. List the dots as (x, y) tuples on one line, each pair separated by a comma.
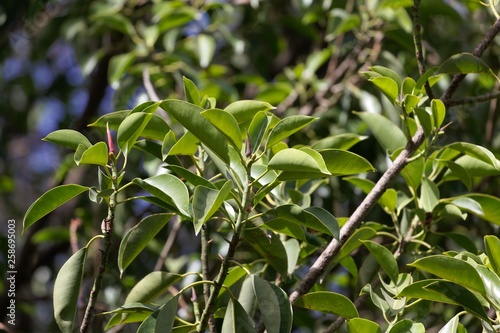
[(66, 62)]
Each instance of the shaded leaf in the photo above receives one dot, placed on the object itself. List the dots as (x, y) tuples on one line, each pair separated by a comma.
[(270, 247), (50, 200), (361, 325), (151, 286), (226, 124), (130, 129), (463, 63), (340, 141), (384, 257), (206, 201), (138, 237), (236, 320), (388, 135)]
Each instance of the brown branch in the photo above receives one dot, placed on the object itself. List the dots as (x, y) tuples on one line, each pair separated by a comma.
[(417, 41), (318, 268), (478, 52), (472, 100)]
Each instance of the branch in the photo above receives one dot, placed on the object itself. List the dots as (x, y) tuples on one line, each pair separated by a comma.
[(478, 52), (331, 251), (472, 100), (417, 41)]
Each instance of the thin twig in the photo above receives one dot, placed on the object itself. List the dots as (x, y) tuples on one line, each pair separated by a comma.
[(417, 41), (472, 100), (205, 249), (168, 244)]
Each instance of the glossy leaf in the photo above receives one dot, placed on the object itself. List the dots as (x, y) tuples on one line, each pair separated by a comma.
[(424, 78), (138, 237), (257, 129), (151, 286), (299, 163), (340, 141), (387, 86), (492, 248), (68, 138), (315, 218), (461, 295), (188, 144), (361, 325), (355, 241), (476, 151), (425, 119), (189, 115), (166, 317), (169, 189), (96, 154), (155, 129), (190, 177), (341, 162), (274, 306), (206, 202), (226, 124), (388, 135), (270, 247), (460, 172), (402, 326), (67, 289), (438, 112), (491, 283), (283, 226), (130, 129), (191, 92), (287, 127), (489, 206), (168, 143), (49, 201), (328, 302), (451, 326), (384, 257), (418, 290), (451, 269), (246, 109), (429, 195), (236, 319), (463, 63)]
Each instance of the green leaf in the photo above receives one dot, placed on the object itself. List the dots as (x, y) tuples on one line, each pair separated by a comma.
[(151, 286), (96, 154), (187, 145), (168, 143), (236, 320), (408, 86), (67, 289), (340, 141), (68, 138), (270, 247), (246, 109), (489, 206), (460, 172), (118, 65), (451, 269), (189, 115), (418, 290), (169, 189), (273, 303), (283, 226), (355, 241), (115, 21), (492, 248), (461, 295), (402, 326), (388, 200), (190, 177), (191, 92), (328, 302), (424, 78), (341, 162), (226, 124), (156, 128), (287, 127), (384, 257), (438, 112), (315, 218), (314, 61), (361, 325), (206, 202), (166, 317), (425, 119), (387, 72), (387, 86), (257, 130), (138, 237), (299, 163), (50, 200), (292, 248), (476, 151), (388, 135), (205, 47), (131, 128), (429, 195), (451, 326), (464, 63)]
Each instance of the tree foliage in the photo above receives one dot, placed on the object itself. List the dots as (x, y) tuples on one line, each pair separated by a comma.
[(237, 192)]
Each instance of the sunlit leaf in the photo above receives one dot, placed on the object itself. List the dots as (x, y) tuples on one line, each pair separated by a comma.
[(245, 110), (191, 92), (206, 201), (361, 325), (96, 154), (492, 248), (226, 124), (328, 302), (236, 319), (68, 138), (287, 127)]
